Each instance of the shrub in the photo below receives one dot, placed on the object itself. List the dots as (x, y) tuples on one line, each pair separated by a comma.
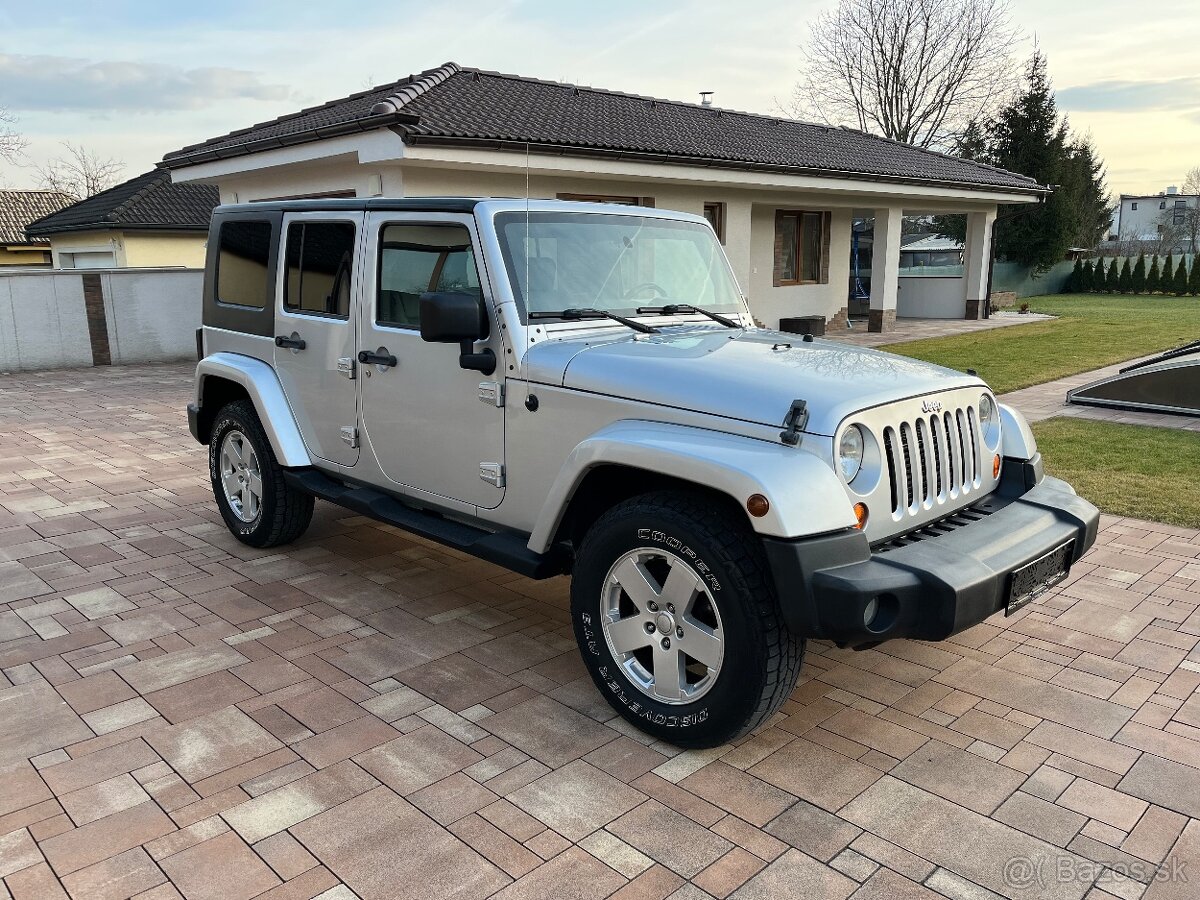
[(1125, 280), (1153, 278), (1075, 279), (1179, 284), (1087, 278), (1194, 278), (1168, 273), (1139, 274), (1112, 282)]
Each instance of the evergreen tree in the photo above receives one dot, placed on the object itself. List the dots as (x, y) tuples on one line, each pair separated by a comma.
[(1194, 277), (1179, 283), (1139, 274), (1087, 278), (1153, 278), (1125, 282), (1075, 279), (1113, 282), (1165, 278), (1029, 137)]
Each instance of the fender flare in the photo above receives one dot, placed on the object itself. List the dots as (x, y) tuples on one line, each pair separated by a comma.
[(1016, 437), (806, 497), (266, 393)]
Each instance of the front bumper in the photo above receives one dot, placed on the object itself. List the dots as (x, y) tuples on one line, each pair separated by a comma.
[(935, 587)]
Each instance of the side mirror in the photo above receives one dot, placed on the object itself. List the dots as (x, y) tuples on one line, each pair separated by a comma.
[(449, 317)]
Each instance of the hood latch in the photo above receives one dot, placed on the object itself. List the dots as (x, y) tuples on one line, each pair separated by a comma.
[(794, 423)]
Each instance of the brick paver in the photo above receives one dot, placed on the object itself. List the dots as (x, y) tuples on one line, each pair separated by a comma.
[(366, 714)]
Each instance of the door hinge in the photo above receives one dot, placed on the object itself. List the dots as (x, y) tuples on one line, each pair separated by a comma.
[(350, 435), (492, 473), (346, 366), (491, 392)]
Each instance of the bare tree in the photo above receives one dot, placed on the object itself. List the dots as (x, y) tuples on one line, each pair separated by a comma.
[(917, 71), (79, 173), (12, 144), (1191, 181)]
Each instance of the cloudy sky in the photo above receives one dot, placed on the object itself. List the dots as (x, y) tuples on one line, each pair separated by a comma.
[(134, 79)]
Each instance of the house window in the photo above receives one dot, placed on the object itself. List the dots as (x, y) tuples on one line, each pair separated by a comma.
[(414, 259), (608, 198), (1133, 205), (715, 213), (801, 245), (1180, 212), (1162, 204), (320, 258), (242, 274)]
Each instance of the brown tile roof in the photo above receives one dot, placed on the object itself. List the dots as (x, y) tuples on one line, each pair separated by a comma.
[(148, 202), (453, 105), (19, 208)]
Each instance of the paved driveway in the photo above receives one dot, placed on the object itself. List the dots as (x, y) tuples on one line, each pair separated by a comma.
[(364, 712)]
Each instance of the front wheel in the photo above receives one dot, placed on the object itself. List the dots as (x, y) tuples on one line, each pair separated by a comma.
[(258, 506), (678, 622)]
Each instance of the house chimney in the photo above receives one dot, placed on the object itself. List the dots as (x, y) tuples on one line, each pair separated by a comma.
[(1172, 189), (706, 98)]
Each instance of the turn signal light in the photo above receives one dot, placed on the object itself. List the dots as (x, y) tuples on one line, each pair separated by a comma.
[(757, 505), (996, 466), (860, 513)]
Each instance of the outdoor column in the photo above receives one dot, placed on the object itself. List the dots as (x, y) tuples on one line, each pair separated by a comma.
[(885, 265), (977, 261)]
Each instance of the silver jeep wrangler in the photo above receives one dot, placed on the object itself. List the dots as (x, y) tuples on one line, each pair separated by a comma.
[(574, 388)]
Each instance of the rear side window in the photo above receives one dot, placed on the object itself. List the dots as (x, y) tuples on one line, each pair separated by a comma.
[(242, 275), (320, 260), (414, 259)]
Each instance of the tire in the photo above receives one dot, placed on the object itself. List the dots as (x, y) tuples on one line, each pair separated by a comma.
[(280, 514), (712, 558)]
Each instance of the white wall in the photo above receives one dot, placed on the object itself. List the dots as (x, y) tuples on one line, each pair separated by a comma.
[(151, 316)]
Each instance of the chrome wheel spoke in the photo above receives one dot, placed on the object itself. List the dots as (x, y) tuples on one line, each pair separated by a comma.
[(701, 643), (241, 477), (670, 679), (628, 634), (254, 482), (681, 587), (637, 583)]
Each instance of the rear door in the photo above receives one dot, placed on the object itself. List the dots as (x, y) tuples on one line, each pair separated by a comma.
[(315, 331), (434, 427)]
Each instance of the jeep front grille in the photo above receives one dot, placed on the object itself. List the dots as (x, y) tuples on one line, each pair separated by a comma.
[(932, 460)]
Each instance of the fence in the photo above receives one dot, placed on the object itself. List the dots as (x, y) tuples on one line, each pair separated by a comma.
[(64, 318)]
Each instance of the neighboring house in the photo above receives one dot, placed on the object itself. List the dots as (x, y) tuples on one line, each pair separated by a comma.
[(1153, 217), (17, 210), (780, 194), (147, 221), (930, 250)]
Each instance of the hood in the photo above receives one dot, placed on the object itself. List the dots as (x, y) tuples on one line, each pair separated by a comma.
[(752, 375)]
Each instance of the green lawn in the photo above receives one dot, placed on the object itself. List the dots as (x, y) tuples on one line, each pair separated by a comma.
[(1126, 470), (1092, 331)]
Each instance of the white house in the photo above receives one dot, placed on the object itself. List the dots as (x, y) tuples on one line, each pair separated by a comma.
[(780, 194), (1148, 217)]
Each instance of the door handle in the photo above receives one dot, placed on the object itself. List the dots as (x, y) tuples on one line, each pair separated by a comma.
[(379, 357), (295, 342)]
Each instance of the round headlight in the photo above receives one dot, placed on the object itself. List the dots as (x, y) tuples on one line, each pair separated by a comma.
[(850, 452), (989, 420)]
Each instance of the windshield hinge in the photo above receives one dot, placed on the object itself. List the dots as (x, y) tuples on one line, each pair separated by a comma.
[(491, 393), (794, 423)]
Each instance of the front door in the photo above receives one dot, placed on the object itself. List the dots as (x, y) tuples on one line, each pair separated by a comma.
[(434, 427), (315, 330)]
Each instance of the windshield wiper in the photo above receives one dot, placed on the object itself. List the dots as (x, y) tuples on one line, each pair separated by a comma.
[(590, 313), (674, 308)]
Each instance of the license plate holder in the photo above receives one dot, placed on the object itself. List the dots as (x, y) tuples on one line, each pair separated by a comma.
[(1035, 578)]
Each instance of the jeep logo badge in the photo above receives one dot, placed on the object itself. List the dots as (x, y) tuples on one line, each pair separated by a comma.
[(931, 406)]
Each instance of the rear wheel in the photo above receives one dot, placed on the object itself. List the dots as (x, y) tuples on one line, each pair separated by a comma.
[(678, 622), (258, 506)]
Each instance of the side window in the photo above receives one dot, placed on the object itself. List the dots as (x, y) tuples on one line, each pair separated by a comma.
[(320, 260), (242, 275), (414, 259)]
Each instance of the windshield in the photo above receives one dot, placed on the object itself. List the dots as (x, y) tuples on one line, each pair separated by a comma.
[(566, 260)]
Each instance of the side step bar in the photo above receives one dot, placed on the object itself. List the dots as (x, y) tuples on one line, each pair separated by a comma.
[(502, 548)]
